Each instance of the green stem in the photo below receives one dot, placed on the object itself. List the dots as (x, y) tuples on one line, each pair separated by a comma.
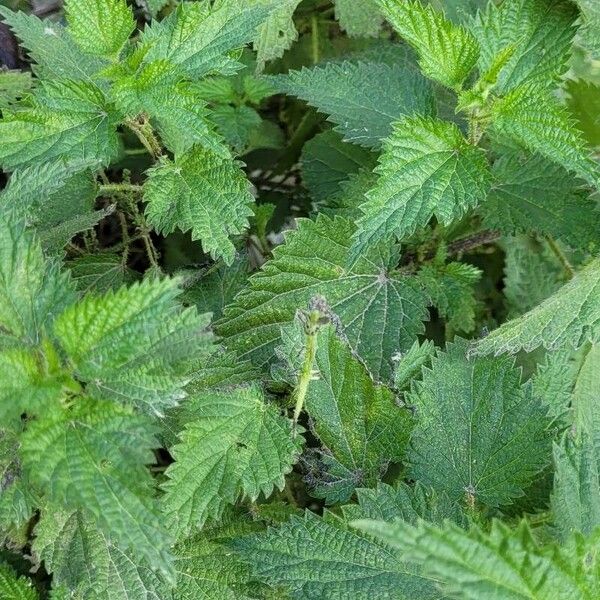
[(311, 329), (562, 258), (107, 189), (144, 132), (314, 26)]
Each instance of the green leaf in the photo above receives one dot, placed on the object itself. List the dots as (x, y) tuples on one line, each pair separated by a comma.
[(100, 272), (585, 395), (314, 558), (447, 52), (277, 33), (32, 290), (480, 435), (180, 114), (100, 27), (537, 121), (51, 48), (358, 19), (13, 587), (530, 193), (503, 563), (93, 458), (235, 446), (13, 86), (381, 311), (199, 37), (88, 563), (201, 191), (540, 33), (327, 161), (67, 119), (362, 98), (236, 124), (584, 103), (427, 168), (568, 317), (450, 287), (129, 345), (359, 424), (409, 364), (590, 26)]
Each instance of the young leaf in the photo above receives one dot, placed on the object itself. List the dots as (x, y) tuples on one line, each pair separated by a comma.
[(540, 33), (381, 311), (32, 290), (503, 563), (536, 120), (427, 168), (100, 27), (127, 345), (83, 559), (409, 364), (480, 435), (551, 324), (447, 52), (358, 422), (67, 119), (93, 458), (314, 558), (235, 446), (201, 191), (13, 587), (362, 98)]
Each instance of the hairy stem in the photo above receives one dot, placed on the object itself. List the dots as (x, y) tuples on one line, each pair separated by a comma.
[(144, 132), (112, 188), (562, 258)]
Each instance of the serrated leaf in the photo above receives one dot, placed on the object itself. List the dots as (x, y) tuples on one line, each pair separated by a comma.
[(568, 317), (327, 161), (537, 121), (32, 290), (409, 364), (82, 559), (503, 563), (13, 587), (51, 47), (590, 25), (360, 425), (530, 193), (100, 272), (427, 168), (585, 395), (450, 287), (128, 345), (381, 311), (447, 52), (480, 435), (201, 191), (235, 446), (317, 559), (180, 114), (540, 33), (362, 98), (67, 119), (236, 124), (100, 27), (198, 37), (93, 458), (276, 34), (583, 101), (358, 19)]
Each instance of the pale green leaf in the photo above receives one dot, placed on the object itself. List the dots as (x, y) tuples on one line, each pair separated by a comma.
[(570, 317), (363, 98), (540, 32), (14, 85), (447, 52), (381, 311), (234, 446), (480, 436), (358, 19), (201, 191), (409, 364), (427, 168), (93, 458), (100, 27), (13, 587), (128, 345)]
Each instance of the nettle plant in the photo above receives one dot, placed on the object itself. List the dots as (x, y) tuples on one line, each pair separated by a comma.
[(397, 398)]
